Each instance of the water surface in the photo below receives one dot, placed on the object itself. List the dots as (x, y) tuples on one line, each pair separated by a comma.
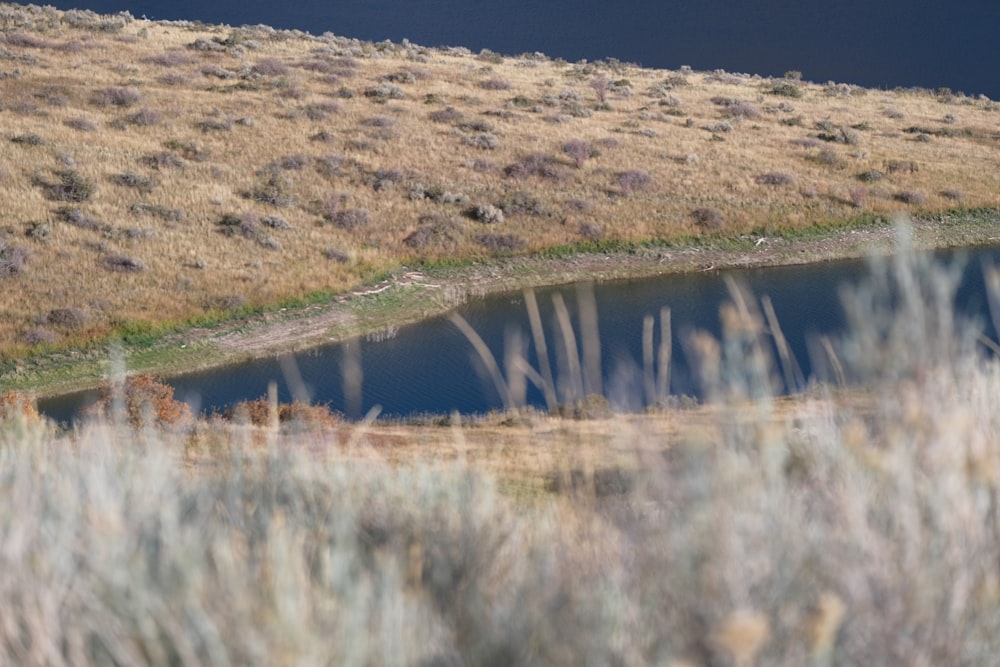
[(430, 366), (881, 44)]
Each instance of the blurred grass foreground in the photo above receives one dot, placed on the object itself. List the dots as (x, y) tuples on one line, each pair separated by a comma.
[(837, 526)]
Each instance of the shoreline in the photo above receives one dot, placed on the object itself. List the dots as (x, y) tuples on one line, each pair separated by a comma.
[(411, 295)]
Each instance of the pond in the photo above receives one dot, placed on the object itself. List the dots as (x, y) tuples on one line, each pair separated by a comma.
[(874, 44), (432, 367)]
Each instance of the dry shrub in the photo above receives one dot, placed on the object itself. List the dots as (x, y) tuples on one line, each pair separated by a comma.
[(81, 124), (337, 255), (902, 167), (379, 121), (858, 195), (420, 237), (116, 96), (247, 225), (40, 336), (601, 85), (218, 72), (72, 186), (446, 115), (742, 110), (30, 139), (487, 213), (25, 40), (131, 179), (14, 404), (578, 150), (12, 259), (535, 164), (258, 412), (350, 219), (123, 264), (521, 203), (145, 118), (633, 180), (384, 92), (144, 400), (269, 67), (708, 218), (273, 189), (495, 83), (169, 59), (321, 110), (78, 218), (775, 178), (70, 318), (162, 160), (914, 197), (590, 230), (786, 89), (829, 157), (500, 242), (485, 141)]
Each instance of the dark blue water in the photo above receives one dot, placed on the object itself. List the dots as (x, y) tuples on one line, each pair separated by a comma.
[(430, 367), (874, 43)]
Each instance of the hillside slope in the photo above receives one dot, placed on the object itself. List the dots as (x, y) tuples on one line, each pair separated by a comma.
[(155, 172)]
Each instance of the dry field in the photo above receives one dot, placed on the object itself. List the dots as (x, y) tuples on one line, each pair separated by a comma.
[(153, 173)]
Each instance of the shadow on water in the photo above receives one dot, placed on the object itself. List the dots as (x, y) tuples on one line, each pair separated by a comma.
[(432, 368)]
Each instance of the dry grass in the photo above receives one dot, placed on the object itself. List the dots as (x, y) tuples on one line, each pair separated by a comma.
[(819, 529), (204, 122)]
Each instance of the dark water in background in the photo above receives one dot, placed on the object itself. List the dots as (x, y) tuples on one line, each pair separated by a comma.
[(874, 43), (430, 367)]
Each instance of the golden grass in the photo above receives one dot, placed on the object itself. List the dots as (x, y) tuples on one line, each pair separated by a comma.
[(56, 67)]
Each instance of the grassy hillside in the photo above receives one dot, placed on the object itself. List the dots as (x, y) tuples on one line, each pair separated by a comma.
[(155, 173)]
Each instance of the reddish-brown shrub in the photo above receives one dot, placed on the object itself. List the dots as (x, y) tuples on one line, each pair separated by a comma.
[(258, 413), (12, 403), (145, 400)]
